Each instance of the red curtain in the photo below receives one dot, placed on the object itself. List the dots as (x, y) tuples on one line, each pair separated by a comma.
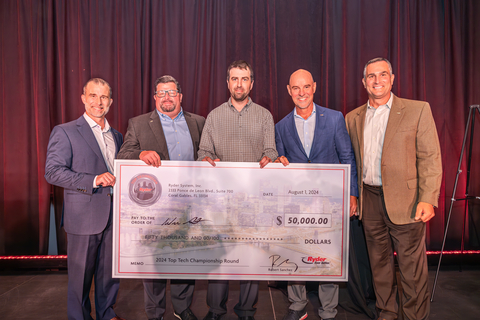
[(49, 49)]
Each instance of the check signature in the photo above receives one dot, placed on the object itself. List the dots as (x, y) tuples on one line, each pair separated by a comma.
[(175, 222), (195, 220), (278, 261)]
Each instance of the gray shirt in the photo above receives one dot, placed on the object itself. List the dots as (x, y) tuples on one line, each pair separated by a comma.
[(245, 136)]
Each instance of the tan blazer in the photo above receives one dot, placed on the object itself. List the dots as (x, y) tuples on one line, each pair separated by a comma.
[(411, 160)]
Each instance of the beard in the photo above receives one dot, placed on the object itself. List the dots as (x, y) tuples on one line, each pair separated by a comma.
[(168, 108), (239, 97)]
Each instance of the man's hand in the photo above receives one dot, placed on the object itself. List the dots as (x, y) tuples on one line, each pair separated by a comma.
[(105, 180), (283, 160), (353, 206), (212, 162), (265, 160), (424, 212), (151, 158)]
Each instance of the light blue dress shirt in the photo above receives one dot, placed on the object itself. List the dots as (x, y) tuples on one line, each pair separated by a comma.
[(306, 129), (179, 140)]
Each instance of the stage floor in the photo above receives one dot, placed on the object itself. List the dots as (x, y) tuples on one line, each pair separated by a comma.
[(43, 295)]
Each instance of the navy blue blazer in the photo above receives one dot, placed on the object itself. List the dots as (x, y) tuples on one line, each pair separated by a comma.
[(331, 142), (73, 160)]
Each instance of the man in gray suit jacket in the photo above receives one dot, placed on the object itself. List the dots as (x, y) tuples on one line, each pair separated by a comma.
[(167, 133), (80, 159)]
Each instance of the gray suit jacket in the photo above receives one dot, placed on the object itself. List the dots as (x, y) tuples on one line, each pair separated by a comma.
[(73, 160), (411, 162), (145, 132)]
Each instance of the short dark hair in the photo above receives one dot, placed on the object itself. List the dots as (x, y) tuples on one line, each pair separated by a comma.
[(167, 79), (99, 81), (240, 64), (377, 60)]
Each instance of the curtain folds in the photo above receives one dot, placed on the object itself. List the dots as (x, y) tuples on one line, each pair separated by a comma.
[(50, 48)]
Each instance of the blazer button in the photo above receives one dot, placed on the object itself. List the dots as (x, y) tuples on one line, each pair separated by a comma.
[(309, 161)]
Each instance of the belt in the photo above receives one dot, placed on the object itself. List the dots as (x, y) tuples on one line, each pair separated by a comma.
[(373, 187)]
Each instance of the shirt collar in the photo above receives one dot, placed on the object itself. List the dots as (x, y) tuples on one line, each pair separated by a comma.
[(93, 124), (249, 102), (295, 114), (388, 104), (166, 118)]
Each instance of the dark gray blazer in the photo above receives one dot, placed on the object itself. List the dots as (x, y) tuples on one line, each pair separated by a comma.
[(145, 132), (73, 160)]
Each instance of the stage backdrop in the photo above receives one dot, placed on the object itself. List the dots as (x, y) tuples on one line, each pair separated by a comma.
[(48, 49)]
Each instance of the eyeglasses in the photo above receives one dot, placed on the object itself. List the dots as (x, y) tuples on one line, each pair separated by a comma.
[(162, 93)]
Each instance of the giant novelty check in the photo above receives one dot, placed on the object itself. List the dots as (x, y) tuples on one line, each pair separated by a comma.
[(189, 220)]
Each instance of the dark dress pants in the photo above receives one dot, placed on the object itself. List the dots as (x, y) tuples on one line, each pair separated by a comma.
[(154, 296), (408, 241), (217, 296), (90, 256)]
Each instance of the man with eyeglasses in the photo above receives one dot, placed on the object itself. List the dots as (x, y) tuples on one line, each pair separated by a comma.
[(167, 133), (239, 130)]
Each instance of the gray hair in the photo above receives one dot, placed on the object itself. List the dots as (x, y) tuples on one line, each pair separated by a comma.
[(99, 81), (377, 60)]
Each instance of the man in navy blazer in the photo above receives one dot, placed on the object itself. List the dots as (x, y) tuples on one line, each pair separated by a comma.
[(80, 159), (313, 134)]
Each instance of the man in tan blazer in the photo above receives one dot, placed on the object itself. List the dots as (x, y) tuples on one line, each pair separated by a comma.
[(399, 176)]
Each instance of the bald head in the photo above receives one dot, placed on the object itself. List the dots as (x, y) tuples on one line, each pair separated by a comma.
[(300, 74), (302, 88)]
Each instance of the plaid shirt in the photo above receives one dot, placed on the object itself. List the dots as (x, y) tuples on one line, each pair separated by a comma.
[(245, 136)]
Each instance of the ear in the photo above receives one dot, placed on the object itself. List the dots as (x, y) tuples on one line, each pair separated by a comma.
[(180, 97), (251, 85), (289, 90), (84, 99), (111, 101), (363, 81), (392, 78), (314, 87)]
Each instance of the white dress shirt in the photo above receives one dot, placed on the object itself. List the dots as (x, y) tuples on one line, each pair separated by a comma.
[(105, 142), (373, 136)]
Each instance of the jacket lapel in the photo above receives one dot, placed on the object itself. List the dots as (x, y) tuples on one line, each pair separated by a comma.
[(87, 134), (116, 138), (359, 125), (394, 119), (319, 127), (292, 131), (157, 129), (193, 128)]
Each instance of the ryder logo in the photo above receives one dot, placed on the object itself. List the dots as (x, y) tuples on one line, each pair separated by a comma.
[(144, 189), (314, 260)]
